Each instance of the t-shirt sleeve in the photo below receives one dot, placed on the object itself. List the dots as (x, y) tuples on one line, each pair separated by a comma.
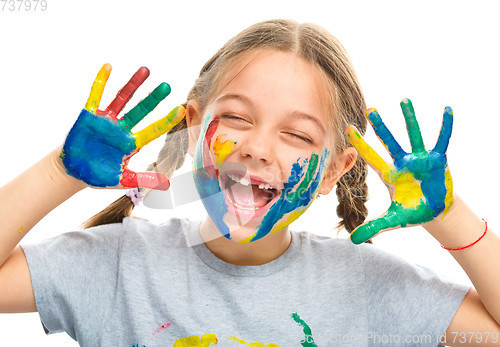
[(74, 278), (406, 300)]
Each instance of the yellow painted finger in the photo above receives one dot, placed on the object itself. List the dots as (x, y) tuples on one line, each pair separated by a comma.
[(98, 88), (158, 128), (365, 150)]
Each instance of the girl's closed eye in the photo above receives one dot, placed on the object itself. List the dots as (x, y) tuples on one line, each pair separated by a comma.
[(294, 135), (231, 116), (302, 138)]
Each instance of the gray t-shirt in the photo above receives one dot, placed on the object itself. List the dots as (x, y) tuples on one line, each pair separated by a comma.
[(137, 283)]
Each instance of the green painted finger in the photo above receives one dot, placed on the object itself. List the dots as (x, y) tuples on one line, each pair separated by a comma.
[(368, 230), (417, 143), (147, 105)]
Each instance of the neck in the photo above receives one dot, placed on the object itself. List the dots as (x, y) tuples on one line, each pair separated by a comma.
[(259, 252)]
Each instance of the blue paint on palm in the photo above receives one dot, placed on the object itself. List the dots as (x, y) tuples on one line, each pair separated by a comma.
[(429, 167), (95, 148)]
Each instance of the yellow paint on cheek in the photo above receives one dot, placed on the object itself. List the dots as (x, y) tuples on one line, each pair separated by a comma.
[(448, 200), (21, 230), (222, 149), (196, 341)]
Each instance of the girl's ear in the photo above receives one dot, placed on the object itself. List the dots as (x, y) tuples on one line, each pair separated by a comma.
[(337, 167), (193, 121)]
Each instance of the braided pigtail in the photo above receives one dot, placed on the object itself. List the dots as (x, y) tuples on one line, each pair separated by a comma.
[(352, 193)]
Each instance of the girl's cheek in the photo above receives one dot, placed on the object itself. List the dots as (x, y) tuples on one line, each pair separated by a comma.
[(222, 145)]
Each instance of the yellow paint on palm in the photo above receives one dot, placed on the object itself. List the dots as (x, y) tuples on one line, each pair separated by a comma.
[(408, 191), (98, 88), (159, 127), (222, 149), (448, 200), (196, 341)]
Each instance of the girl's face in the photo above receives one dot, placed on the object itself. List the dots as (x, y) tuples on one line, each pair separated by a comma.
[(261, 155)]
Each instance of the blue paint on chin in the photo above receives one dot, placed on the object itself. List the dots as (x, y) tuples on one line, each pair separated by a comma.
[(286, 205), (94, 150)]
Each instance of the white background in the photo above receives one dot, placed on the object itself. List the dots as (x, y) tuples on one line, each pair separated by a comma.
[(435, 53)]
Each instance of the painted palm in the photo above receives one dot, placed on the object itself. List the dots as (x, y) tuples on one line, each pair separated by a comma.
[(419, 182), (99, 145)]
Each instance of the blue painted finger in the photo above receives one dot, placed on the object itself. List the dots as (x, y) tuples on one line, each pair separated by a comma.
[(384, 134), (445, 133)]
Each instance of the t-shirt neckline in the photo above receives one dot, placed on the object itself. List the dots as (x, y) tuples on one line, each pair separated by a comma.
[(194, 241)]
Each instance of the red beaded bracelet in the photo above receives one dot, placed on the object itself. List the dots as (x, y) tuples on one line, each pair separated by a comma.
[(473, 243)]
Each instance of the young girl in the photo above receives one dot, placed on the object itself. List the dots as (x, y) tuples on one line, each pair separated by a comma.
[(265, 125)]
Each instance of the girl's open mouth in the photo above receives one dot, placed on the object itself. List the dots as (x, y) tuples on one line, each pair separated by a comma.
[(245, 195)]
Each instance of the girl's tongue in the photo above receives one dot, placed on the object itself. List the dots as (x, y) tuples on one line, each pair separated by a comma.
[(249, 197)]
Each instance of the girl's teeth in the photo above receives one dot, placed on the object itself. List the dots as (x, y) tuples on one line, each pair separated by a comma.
[(246, 182), (242, 180)]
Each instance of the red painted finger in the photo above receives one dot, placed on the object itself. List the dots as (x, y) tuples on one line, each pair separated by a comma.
[(126, 93), (153, 180)]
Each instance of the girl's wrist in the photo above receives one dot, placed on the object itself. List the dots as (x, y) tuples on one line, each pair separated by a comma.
[(457, 228), (58, 171)]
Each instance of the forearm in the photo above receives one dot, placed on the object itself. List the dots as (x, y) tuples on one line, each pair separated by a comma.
[(32, 195), (460, 227)]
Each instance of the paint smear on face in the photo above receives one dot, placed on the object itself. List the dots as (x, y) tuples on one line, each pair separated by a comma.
[(296, 196), (21, 230), (197, 341), (205, 175)]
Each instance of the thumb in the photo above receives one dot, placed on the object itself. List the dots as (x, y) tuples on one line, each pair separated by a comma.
[(369, 229)]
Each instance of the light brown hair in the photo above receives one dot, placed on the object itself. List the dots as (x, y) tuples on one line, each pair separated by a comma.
[(310, 42)]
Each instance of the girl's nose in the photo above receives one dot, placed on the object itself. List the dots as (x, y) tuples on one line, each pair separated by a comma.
[(259, 148)]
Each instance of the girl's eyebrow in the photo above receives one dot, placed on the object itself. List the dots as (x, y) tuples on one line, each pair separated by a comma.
[(294, 114), (234, 96)]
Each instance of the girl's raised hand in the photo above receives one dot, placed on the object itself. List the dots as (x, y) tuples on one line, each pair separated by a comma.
[(419, 182), (99, 145)]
